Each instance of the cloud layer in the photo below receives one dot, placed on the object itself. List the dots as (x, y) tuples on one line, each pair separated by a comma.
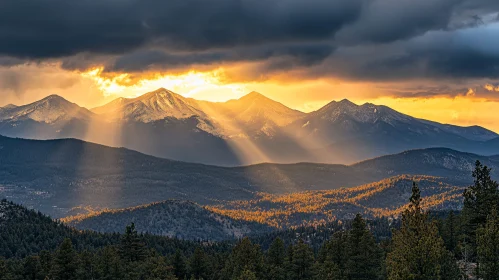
[(366, 40)]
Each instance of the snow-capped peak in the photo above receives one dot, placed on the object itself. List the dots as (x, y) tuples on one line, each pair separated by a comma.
[(366, 113), (152, 106), (48, 110)]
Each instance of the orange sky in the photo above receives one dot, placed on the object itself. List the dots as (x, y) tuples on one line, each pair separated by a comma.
[(92, 88)]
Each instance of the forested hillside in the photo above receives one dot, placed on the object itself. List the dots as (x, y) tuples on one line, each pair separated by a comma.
[(59, 177), (386, 198), (181, 219), (442, 246)]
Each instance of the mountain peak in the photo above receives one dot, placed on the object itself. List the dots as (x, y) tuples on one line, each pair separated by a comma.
[(47, 110), (254, 96), (9, 106), (346, 102), (54, 97), (159, 95), (152, 106), (366, 113)]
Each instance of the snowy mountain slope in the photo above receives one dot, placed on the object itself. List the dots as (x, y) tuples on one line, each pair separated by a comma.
[(248, 116), (255, 107), (354, 132), (251, 129), (49, 110), (258, 115), (152, 106)]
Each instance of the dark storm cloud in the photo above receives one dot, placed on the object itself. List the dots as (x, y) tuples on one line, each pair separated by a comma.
[(297, 55), (458, 54), (390, 20), (356, 39), (488, 91), (56, 28)]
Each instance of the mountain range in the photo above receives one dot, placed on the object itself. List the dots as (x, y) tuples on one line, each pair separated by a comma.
[(249, 130), (68, 177)]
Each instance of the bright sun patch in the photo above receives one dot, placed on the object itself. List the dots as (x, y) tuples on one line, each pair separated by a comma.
[(190, 84)]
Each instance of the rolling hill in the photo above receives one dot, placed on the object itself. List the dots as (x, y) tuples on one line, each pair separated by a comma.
[(267, 212), (386, 198), (180, 219), (59, 177)]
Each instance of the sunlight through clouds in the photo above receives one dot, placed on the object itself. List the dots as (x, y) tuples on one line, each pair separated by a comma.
[(191, 84)]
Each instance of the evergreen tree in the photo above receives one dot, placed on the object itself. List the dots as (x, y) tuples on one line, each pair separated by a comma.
[(275, 260), (65, 262), (86, 268), (4, 272), (364, 255), (276, 253), (198, 264), (247, 275), (131, 247), (179, 266), (288, 261), (32, 269), (244, 257), (479, 200), (46, 262), (302, 264), (109, 266), (418, 252), (157, 268), (333, 257), (450, 232), (488, 248)]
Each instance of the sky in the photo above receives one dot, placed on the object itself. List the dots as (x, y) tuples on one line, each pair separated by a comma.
[(433, 59)]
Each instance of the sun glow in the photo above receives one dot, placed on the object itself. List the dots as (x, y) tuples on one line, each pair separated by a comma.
[(190, 84)]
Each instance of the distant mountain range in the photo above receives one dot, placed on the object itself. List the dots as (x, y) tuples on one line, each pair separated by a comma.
[(252, 129), (69, 177)]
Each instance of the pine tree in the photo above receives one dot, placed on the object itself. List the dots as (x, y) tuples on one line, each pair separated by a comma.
[(157, 267), (198, 264), (4, 272), (275, 260), (179, 266), (245, 256), (109, 266), (247, 275), (488, 247), (333, 258), (65, 262), (32, 268), (86, 268), (479, 200), (46, 262), (364, 255), (302, 264), (131, 247), (450, 232), (276, 253), (418, 251)]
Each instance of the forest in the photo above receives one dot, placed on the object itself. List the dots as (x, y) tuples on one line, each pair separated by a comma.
[(417, 245)]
